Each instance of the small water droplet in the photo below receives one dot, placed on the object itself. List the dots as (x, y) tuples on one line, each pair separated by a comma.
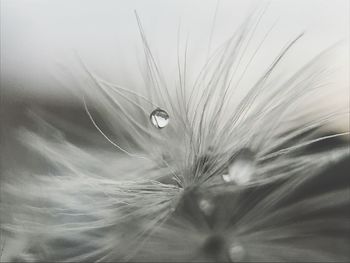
[(206, 206), (159, 118), (236, 252), (241, 168)]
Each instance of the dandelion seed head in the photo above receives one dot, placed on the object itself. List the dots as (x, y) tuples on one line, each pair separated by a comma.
[(226, 179)]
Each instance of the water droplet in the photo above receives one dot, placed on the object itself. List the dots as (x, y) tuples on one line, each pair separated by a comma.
[(241, 169), (206, 206), (236, 252), (159, 118)]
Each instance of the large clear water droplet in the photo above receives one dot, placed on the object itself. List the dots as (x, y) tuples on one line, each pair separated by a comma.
[(241, 169), (236, 252), (159, 118)]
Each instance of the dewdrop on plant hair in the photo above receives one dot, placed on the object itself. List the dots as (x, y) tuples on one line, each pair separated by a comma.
[(159, 118)]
